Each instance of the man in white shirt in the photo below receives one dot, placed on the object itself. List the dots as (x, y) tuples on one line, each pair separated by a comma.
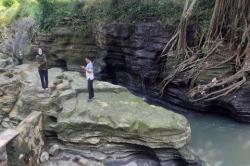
[(90, 77)]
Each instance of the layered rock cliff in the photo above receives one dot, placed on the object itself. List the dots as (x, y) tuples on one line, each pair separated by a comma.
[(128, 54)]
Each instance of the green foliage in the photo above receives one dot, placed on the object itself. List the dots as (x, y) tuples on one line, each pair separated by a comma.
[(44, 16), (203, 12), (11, 10), (52, 11), (7, 3), (205, 50), (49, 13), (132, 10), (27, 9)]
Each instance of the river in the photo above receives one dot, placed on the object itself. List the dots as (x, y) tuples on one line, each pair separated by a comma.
[(216, 139), (220, 141)]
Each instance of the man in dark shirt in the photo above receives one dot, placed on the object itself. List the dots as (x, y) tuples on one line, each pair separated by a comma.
[(43, 68)]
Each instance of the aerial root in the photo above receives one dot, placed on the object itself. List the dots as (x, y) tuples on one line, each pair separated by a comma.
[(217, 89)]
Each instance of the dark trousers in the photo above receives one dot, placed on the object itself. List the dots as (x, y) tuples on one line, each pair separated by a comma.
[(44, 78), (90, 89)]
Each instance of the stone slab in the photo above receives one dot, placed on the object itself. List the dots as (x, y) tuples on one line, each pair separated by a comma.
[(6, 136)]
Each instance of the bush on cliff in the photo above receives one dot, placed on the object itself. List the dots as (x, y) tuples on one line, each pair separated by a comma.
[(11, 10), (48, 13)]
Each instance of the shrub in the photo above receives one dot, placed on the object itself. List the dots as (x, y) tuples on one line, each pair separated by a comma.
[(52, 11), (49, 13), (7, 3), (130, 10)]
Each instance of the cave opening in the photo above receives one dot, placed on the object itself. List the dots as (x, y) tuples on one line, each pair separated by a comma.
[(62, 63)]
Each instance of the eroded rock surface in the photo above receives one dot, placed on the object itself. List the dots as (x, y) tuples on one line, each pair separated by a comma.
[(10, 87), (26, 147), (115, 125)]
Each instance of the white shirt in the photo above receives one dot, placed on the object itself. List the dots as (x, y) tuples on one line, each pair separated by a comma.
[(89, 67)]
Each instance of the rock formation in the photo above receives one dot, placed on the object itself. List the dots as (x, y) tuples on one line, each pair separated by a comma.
[(128, 54), (15, 39), (117, 128)]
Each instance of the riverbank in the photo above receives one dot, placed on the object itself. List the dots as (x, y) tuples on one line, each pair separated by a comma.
[(216, 139)]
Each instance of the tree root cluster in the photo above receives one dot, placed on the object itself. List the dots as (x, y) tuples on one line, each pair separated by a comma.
[(226, 15)]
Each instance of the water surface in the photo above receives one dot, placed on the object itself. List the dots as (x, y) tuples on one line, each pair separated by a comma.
[(220, 141)]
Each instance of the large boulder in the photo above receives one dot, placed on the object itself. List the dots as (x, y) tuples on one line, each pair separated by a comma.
[(120, 117), (116, 124)]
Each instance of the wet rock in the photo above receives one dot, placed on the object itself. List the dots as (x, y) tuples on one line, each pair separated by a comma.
[(21, 156), (83, 161), (72, 160), (44, 157), (1, 93), (54, 150), (6, 119), (237, 104), (3, 56), (145, 54), (7, 125)]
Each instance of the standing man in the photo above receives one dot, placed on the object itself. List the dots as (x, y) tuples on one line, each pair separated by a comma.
[(90, 77), (43, 68)]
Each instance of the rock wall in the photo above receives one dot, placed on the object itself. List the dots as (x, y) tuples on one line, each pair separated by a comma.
[(26, 148), (132, 52), (3, 156), (132, 59), (123, 53), (128, 54), (6, 137), (14, 39), (70, 41), (10, 88)]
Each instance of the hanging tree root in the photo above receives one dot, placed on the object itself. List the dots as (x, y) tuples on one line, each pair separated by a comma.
[(178, 42), (182, 67), (217, 89), (229, 15), (192, 63)]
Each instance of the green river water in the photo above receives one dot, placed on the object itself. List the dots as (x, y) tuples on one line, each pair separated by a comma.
[(220, 141)]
